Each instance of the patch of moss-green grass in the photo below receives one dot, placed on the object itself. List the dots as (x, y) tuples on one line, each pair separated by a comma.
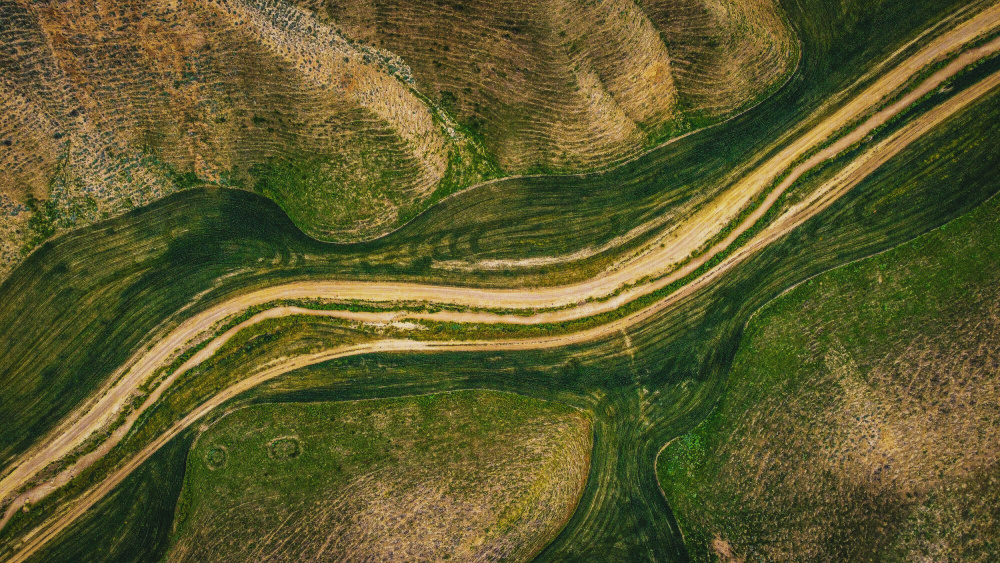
[(861, 392), (326, 197), (440, 476)]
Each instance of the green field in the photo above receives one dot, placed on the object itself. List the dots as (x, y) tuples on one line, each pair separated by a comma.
[(164, 254), (684, 356), (860, 414), (68, 323), (489, 473)]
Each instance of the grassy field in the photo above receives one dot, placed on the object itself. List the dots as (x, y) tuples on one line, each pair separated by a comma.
[(644, 388), (134, 523), (467, 476), (680, 360), (244, 355), (163, 255), (860, 415)]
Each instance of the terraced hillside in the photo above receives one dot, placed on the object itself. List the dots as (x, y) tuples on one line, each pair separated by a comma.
[(573, 84), (861, 415), (347, 120), (109, 106)]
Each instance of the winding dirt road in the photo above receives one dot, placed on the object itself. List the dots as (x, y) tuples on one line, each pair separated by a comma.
[(659, 263)]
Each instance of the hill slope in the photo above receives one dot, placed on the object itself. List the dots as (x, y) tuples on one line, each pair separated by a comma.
[(351, 115), (861, 415), (571, 84)]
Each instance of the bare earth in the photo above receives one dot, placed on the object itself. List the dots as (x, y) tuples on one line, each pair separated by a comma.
[(655, 262)]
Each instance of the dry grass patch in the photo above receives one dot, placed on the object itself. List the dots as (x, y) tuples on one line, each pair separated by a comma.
[(469, 476), (862, 415), (570, 84), (108, 106)]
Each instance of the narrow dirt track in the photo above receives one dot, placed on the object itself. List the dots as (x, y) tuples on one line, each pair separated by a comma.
[(702, 227)]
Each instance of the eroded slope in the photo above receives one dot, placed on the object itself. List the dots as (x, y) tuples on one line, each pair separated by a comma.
[(109, 106), (573, 84), (351, 115)]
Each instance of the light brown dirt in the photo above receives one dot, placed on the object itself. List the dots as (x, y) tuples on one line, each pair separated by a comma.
[(97, 99), (567, 84)]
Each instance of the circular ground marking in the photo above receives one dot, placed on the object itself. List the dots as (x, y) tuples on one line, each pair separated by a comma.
[(286, 447), (215, 457)]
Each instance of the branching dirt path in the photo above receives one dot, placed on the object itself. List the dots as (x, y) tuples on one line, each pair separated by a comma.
[(703, 226)]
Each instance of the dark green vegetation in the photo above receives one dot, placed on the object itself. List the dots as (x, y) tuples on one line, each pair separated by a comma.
[(133, 523), (384, 479), (861, 414), (81, 305)]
